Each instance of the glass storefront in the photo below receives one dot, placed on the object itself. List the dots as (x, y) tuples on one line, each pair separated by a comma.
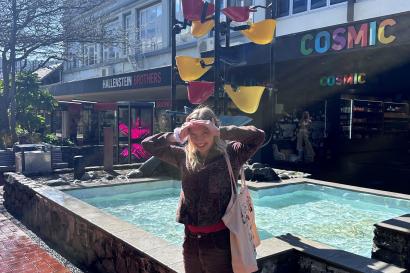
[(135, 122)]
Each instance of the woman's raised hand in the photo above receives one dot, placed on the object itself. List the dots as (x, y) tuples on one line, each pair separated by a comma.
[(181, 133), (184, 132), (208, 124)]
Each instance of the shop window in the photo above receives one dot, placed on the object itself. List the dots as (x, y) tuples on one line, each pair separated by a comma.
[(366, 118), (299, 133), (150, 32), (314, 4), (299, 6), (332, 2), (283, 8), (105, 119)]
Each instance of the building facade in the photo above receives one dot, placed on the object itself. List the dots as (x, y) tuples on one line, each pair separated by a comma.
[(344, 62)]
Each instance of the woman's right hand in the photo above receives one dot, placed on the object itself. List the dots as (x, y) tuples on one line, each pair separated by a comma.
[(181, 133), (184, 132), (210, 125)]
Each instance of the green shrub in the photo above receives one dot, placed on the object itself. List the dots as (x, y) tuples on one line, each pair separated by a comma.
[(54, 140)]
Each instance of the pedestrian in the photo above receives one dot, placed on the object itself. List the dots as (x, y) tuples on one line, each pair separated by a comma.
[(303, 145), (206, 184)]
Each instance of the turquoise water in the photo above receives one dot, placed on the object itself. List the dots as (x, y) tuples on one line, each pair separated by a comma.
[(340, 218)]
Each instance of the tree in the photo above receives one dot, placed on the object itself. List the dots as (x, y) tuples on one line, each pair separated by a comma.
[(32, 103), (40, 29)]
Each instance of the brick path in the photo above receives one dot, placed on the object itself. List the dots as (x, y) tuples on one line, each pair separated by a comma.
[(19, 253)]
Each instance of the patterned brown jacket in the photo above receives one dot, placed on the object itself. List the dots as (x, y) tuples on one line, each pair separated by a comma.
[(206, 192)]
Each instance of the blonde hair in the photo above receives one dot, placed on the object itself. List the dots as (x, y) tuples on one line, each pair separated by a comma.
[(192, 157)]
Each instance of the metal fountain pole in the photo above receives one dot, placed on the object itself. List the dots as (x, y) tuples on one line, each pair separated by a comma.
[(227, 45), (173, 62), (273, 90), (217, 56)]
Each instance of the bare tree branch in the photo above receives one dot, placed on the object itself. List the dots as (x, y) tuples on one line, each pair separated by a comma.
[(42, 28)]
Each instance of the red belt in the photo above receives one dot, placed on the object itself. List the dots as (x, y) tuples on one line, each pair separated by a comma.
[(207, 229)]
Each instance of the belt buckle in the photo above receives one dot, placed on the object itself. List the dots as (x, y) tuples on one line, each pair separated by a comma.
[(198, 236)]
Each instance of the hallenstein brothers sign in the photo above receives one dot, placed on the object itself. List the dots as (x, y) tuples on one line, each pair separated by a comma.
[(133, 81)]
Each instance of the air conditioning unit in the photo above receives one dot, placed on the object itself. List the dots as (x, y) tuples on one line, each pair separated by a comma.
[(205, 45), (107, 71)]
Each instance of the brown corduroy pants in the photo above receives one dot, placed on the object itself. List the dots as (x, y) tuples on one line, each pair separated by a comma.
[(207, 253)]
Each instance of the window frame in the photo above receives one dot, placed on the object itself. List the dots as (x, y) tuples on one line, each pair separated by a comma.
[(308, 2), (126, 48), (309, 7), (90, 54), (112, 47), (142, 48)]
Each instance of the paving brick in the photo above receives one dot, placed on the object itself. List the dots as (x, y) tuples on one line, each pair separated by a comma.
[(18, 253)]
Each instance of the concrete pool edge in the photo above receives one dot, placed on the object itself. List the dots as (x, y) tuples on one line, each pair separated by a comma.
[(268, 185), (272, 251), (251, 184)]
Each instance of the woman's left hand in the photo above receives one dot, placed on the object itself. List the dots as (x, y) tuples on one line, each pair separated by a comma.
[(208, 124)]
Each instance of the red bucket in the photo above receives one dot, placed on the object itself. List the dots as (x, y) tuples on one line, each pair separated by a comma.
[(199, 92), (192, 9), (237, 14)]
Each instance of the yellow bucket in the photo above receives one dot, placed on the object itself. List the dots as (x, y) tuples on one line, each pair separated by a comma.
[(262, 32), (199, 29), (246, 98), (190, 68)]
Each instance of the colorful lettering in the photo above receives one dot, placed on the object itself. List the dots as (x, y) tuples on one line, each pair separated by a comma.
[(348, 79), (339, 41), (361, 78), (318, 42), (348, 37), (372, 33), (303, 47), (355, 38), (331, 80), (382, 31), (339, 80), (323, 81)]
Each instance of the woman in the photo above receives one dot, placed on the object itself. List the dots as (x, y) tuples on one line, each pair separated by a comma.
[(206, 184), (303, 144)]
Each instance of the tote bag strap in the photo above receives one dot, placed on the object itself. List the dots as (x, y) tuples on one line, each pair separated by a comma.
[(232, 176)]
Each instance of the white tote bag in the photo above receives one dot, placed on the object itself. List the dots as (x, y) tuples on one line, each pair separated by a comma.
[(240, 220)]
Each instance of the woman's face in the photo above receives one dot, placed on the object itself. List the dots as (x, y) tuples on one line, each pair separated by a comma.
[(201, 139)]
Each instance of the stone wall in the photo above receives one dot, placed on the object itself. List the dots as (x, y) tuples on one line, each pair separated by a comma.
[(280, 263), (391, 241), (311, 265), (83, 243), (295, 261)]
